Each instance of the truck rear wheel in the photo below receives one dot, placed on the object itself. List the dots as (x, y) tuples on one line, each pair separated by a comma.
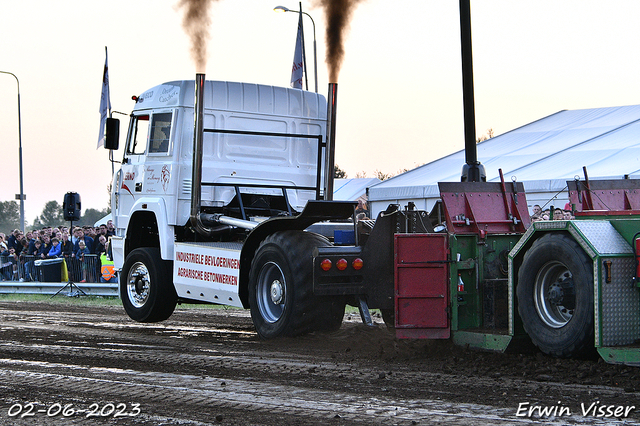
[(146, 286), (555, 295), (280, 287)]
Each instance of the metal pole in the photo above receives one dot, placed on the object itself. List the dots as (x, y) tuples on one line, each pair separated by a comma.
[(315, 52), (19, 153)]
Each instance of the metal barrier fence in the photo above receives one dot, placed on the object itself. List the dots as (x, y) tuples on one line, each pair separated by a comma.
[(34, 268), (34, 275)]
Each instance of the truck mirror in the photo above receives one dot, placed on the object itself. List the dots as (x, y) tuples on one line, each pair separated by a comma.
[(112, 136)]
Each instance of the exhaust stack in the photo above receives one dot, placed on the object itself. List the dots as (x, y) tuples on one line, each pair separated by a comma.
[(472, 171), (330, 149), (196, 173)]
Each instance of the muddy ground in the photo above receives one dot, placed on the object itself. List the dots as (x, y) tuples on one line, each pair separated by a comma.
[(78, 364)]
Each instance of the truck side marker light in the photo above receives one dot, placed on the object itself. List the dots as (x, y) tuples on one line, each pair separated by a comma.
[(357, 264), (325, 265), (342, 264)]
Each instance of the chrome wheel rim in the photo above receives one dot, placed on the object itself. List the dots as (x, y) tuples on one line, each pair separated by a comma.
[(554, 294), (138, 284)]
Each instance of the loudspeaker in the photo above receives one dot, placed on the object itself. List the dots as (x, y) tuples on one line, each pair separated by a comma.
[(71, 206)]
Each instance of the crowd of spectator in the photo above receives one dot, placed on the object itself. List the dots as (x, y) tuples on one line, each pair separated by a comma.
[(21, 250), (547, 214)]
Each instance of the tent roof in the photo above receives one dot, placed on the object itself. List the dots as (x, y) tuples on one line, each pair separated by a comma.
[(352, 189), (549, 151)]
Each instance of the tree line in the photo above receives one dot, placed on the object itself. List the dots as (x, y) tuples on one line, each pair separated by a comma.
[(52, 215)]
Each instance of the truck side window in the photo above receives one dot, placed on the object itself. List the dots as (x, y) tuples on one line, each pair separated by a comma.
[(160, 132), (140, 131)]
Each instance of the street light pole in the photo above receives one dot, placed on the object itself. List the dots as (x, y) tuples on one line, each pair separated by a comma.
[(315, 54), (22, 197)]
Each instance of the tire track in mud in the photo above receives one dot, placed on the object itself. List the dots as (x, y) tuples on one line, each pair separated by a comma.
[(194, 367), (181, 390)]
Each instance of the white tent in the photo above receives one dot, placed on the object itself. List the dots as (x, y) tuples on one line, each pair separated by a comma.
[(352, 189), (543, 155)]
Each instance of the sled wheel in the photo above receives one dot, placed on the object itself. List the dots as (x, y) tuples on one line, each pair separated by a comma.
[(146, 286), (280, 285), (555, 296)]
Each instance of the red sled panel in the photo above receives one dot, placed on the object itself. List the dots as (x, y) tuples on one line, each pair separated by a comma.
[(421, 286)]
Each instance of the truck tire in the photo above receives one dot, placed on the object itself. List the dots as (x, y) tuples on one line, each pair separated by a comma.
[(146, 286), (555, 296), (280, 287)]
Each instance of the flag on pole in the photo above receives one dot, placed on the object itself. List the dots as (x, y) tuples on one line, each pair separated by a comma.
[(105, 100), (298, 62)]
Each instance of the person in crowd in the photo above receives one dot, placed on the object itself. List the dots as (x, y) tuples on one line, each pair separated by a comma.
[(32, 253), (12, 269), (111, 230), (107, 270), (362, 208), (36, 251), (3, 244), (55, 232), (32, 236), (536, 213), (46, 245), (67, 245), (558, 214), (101, 231), (13, 240), (89, 232), (25, 246), (101, 246), (74, 237), (22, 258), (80, 236), (56, 249), (80, 254)]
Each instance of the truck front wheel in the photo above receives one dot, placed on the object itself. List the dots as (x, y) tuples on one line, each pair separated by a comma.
[(280, 286), (555, 295), (146, 288)]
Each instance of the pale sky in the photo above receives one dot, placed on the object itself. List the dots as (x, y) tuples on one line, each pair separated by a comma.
[(399, 91)]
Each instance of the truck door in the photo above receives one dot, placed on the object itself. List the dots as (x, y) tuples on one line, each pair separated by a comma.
[(131, 173), (146, 168), (421, 270)]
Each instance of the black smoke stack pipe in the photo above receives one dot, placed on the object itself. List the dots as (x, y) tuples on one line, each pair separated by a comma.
[(330, 149), (472, 171)]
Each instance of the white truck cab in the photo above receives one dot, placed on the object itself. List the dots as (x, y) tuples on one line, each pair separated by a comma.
[(197, 181)]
